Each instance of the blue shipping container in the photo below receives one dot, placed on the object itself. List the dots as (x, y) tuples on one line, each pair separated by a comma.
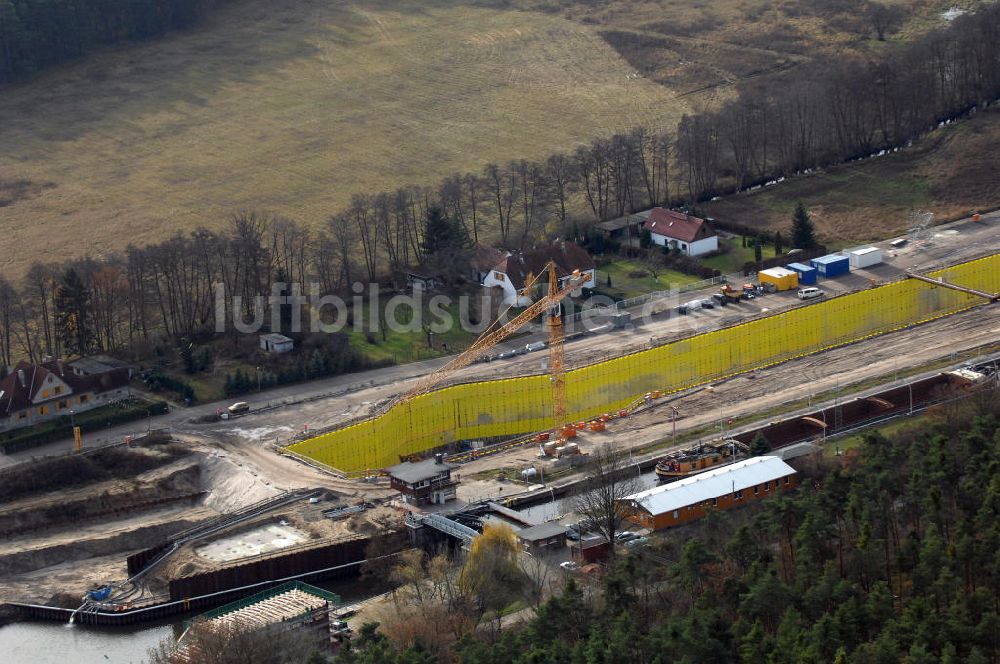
[(832, 265), (807, 273)]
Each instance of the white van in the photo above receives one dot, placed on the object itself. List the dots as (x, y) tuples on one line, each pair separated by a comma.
[(809, 293)]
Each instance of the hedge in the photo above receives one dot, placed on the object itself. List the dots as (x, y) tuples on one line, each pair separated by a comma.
[(88, 421)]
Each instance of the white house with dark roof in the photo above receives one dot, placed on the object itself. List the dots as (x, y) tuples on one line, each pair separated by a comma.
[(515, 270), (31, 393), (690, 235)]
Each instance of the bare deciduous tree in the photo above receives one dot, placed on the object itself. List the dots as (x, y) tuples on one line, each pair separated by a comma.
[(610, 478)]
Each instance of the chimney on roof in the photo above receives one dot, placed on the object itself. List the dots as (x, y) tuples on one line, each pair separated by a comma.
[(439, 459), (20, 377)]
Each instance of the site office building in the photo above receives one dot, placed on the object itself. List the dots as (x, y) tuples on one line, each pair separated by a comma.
[(722, 488), (424, 482)]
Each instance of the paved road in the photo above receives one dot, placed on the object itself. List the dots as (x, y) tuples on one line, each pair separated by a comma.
[(325, 402)]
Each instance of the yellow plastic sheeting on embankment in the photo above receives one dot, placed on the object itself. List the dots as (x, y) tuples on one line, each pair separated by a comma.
[(517, 405)]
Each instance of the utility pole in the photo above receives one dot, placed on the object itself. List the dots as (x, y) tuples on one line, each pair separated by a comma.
[(673, 433)]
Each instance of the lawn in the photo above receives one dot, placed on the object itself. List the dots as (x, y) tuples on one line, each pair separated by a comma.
[(408, 346), (736, 256), (291, 108), (624, 285)]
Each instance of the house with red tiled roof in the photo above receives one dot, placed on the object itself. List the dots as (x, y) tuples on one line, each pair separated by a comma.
[(31, 393), (690, 235), (515, 270)]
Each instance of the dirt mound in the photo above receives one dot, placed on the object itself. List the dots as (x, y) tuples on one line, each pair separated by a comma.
[(230, 483), (35, 477)]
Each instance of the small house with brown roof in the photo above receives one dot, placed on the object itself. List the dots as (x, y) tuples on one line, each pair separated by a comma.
[(38, 393), (515, 270), (690, 235)]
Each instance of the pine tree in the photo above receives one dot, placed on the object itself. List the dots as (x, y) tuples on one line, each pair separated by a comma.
[(441, 233), (803, 230), (759, 446), (779, 244), (758, 250), (186, 350), (73, 313), (318, 363)]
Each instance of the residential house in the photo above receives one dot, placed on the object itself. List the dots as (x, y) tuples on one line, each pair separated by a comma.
[(31, 394), (482, 261), (690, 235), (424, 482), (515, 270), (724, 487)]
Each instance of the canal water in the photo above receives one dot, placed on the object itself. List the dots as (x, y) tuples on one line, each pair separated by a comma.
[(59, 643), (56, 643)]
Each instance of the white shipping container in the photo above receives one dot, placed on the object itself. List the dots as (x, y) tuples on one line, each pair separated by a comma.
[(865, 257)]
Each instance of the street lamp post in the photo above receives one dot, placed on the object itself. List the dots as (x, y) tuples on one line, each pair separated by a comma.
[(258, 378)]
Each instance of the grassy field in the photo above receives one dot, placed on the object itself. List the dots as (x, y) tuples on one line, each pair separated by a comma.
[(737, 256), (702, 48), (947, 172), (625, 285), (292, 107), (408, 346)]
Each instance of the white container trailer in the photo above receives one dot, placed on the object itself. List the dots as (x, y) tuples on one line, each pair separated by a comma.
[(865, 257)]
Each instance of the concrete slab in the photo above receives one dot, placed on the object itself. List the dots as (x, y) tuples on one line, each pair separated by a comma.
[(263, 539)]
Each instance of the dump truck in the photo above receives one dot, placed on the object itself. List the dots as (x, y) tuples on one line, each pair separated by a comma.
[(731, 294)]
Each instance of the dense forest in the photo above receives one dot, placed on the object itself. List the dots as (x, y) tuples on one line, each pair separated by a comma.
[(886, 556), (37, 33)]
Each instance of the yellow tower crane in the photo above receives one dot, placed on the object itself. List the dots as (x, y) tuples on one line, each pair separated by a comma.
[(547, 305)]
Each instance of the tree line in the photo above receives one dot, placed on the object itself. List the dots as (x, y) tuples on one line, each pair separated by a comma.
[(35, 34), (822, 114)]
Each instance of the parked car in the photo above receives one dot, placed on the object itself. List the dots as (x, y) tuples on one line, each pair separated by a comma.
[(573, 535), (638, 541), (570, 565), (625, 536), (810, 292), (239, 407), (707, 304)]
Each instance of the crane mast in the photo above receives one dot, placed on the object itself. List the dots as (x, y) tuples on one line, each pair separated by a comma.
[(557, 371), (547, 305)]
